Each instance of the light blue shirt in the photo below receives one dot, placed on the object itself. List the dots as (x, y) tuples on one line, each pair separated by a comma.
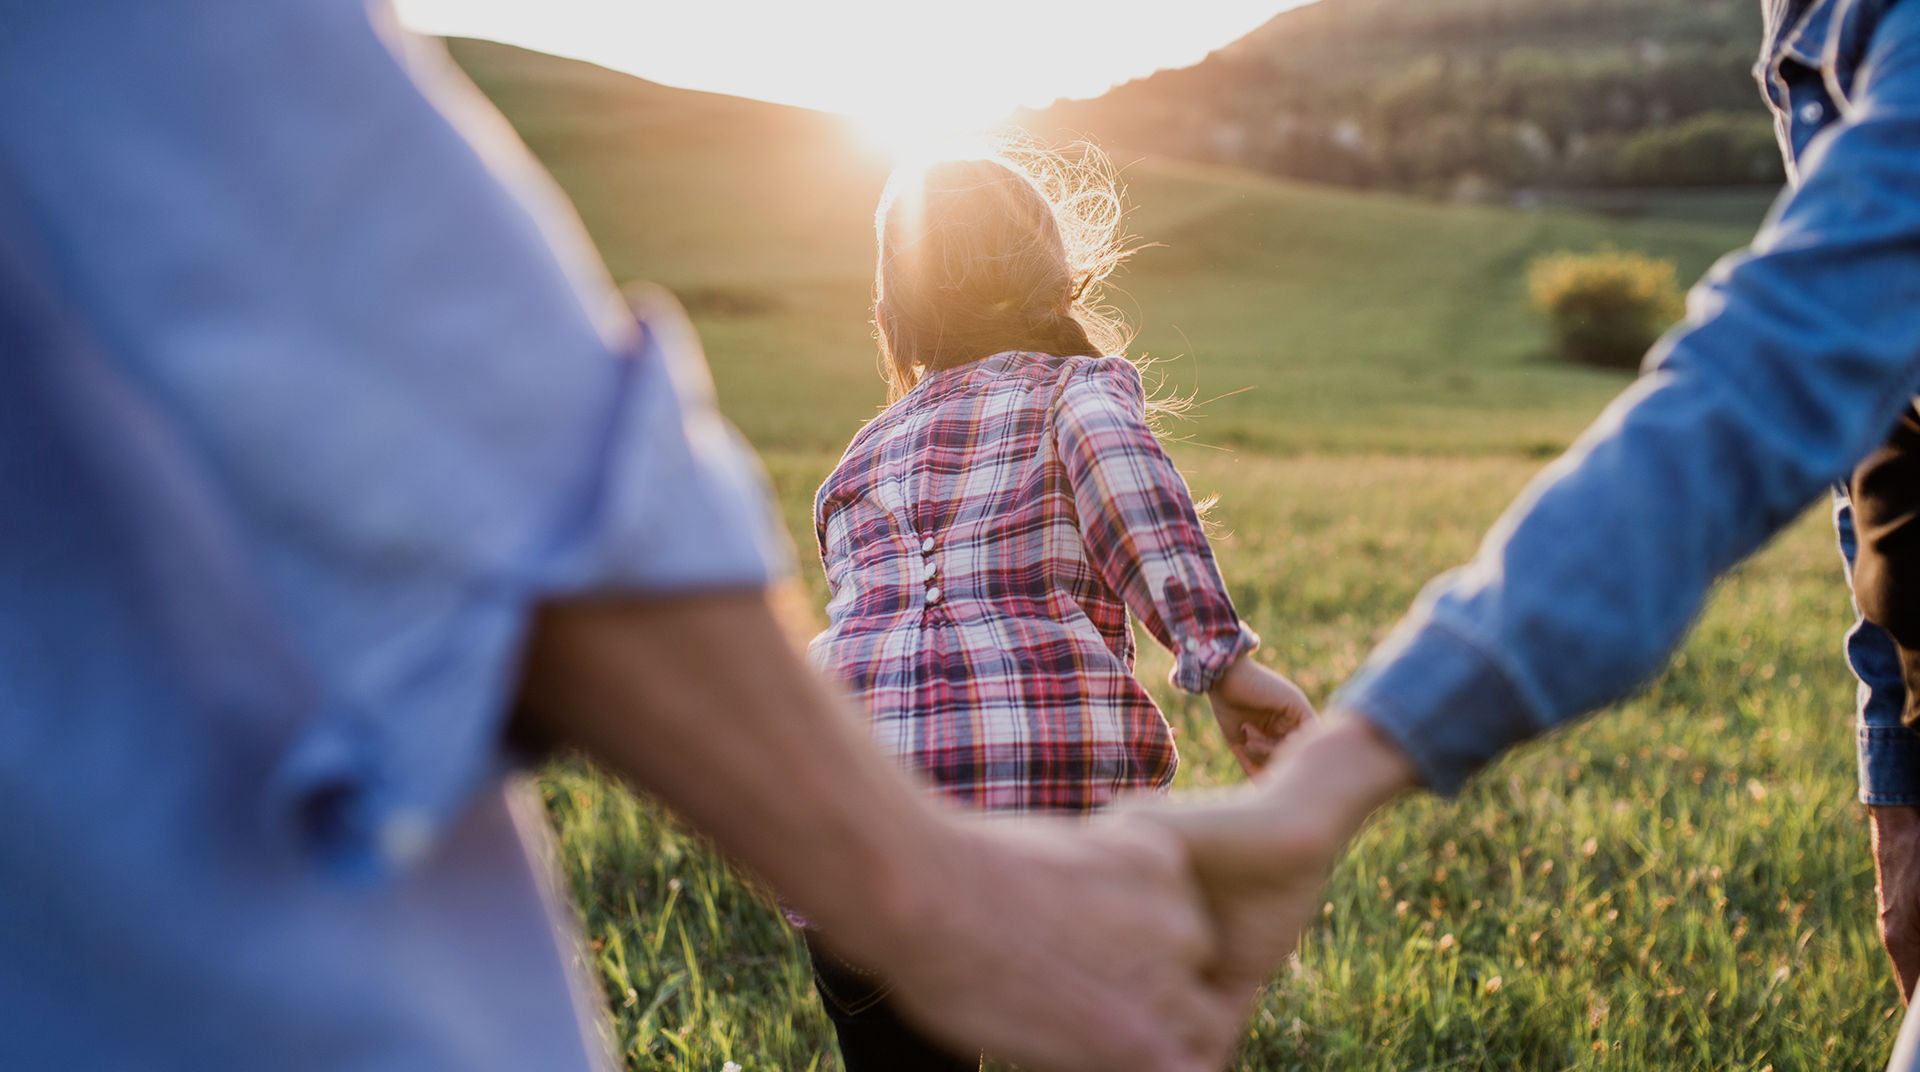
[(1797, 357), (310, 389)]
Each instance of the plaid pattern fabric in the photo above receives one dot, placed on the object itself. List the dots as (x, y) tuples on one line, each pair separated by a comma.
[(984, 539)]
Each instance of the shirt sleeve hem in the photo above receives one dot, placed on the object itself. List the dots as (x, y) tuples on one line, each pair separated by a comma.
[(1444, 702), (667, 500), (1889, 765), (1198, 670), (367, 797)]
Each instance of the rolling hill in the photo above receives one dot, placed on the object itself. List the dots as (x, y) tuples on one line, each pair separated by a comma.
[(1683, 883), (1317, 317), (1471, 97)]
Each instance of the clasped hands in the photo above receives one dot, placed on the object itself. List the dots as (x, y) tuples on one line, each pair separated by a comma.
[(1145, 938), (1134, 943)]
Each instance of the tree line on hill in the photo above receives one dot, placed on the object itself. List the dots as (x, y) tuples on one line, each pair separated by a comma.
[(1468, 97)]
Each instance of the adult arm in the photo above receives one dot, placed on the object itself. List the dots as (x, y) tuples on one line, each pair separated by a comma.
[(1797, 357), (1058, 947), (431, 431)]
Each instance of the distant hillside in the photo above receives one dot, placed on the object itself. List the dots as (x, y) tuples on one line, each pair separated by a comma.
[(1315, 318), (1469, 97), (685, 187)]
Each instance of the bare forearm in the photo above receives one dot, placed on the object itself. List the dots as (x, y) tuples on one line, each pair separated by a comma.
[(702, 702), (1055, 946), (1345, 766)]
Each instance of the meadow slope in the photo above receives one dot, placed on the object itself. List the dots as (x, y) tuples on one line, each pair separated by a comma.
[(1682, 883)]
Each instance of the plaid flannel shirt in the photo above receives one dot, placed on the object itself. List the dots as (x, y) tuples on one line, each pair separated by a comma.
[(984, 539)]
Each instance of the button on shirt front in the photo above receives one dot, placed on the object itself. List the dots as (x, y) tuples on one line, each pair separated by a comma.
[(1002, 667)]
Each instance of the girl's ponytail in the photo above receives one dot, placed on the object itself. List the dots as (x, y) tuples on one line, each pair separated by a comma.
[(1060, 332)]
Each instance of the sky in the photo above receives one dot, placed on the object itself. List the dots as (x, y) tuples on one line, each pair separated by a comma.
[(943, 66)]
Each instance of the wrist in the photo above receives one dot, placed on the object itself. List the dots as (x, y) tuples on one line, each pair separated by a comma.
[(891, 910), (1203, 666), (1343, 769), (1223, 685)]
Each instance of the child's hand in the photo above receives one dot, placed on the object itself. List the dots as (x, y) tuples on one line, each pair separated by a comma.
[(1257, 708)]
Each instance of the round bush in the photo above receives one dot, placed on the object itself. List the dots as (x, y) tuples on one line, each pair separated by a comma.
[(1605, 308)]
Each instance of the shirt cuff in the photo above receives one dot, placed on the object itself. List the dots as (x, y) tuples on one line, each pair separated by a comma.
[(663, 498), (1889, 765), (683, 504), (372, 783), (1443, 701), (1889, 752), (1200, 664)]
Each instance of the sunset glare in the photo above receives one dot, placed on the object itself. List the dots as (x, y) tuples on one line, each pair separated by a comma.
[(905, 73)]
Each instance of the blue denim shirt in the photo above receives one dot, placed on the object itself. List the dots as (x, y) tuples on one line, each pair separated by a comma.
[(311, 389), (1809, 92), (1796, 357)]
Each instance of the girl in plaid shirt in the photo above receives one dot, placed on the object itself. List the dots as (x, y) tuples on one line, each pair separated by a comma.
[(986, 536)]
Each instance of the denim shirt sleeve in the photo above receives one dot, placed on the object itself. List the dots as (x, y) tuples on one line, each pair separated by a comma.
[(1889, 751), (1796, 359)]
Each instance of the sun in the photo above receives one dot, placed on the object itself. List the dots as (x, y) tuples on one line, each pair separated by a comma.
[(912, 75), (921, 131)]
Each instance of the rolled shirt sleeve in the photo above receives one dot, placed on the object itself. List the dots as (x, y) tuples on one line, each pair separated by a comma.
[(1142, 532), (659, 498), (385, 344), (1796, 359), (1889, 752)]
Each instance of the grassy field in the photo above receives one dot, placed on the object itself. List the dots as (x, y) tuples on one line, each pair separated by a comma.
[(1682, 883)]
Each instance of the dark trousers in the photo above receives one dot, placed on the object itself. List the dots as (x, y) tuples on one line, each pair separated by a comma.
[(1885, 490), (873, 1038)]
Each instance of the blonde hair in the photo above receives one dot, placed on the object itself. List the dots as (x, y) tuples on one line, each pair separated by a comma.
[(1006, 251)]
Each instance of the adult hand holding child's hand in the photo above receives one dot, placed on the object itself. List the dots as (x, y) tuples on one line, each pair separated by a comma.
[(1071, 947), (1263, 852)]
